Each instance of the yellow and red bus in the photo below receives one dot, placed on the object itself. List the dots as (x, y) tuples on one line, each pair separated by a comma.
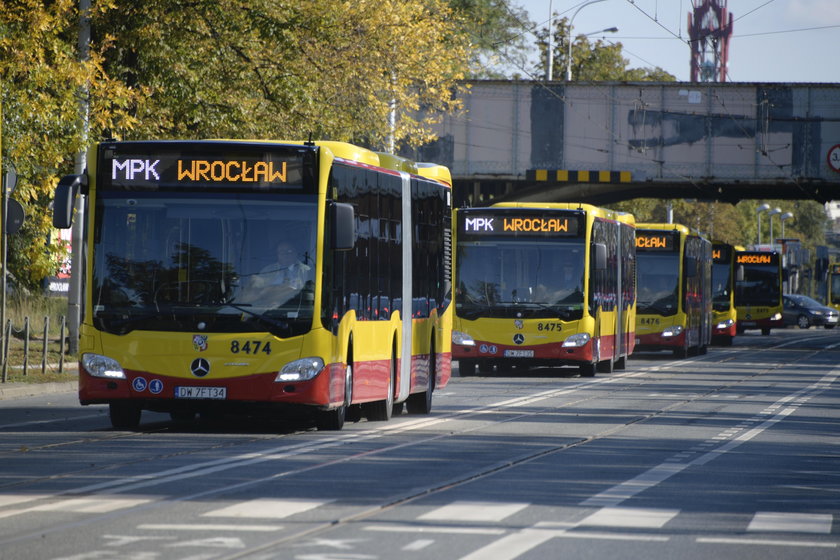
[(758, 291), (674, 308), (834, 286), (543, 285), (724, 317), (189, 307)]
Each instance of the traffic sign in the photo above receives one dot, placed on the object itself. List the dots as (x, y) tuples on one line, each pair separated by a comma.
[(833, 158)]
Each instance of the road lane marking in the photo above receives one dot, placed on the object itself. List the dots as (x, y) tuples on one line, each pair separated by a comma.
[(791, 522), (207, 527), (447, 530), (266, 508), (419, 544), (473, 511), (637, 518), (762, 542)]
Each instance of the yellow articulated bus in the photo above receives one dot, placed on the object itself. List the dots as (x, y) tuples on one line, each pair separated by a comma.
[(543, 285), (834, 286), (674, 308), (256, 276), (724, 317), (758, 291)]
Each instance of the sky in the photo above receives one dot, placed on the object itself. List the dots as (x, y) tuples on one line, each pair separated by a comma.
[(772, 40)]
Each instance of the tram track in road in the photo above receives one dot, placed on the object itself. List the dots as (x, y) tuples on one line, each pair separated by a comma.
[(323, 442)]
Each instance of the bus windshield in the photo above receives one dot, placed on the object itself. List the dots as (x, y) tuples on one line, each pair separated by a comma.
[(521, 279), (721, 281), (761, 286), (657, 283), (221, 262), (835, 288)]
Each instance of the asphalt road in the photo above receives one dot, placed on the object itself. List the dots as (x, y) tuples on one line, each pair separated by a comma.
[(734, 454)]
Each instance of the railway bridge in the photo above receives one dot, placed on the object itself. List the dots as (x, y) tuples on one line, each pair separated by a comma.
[(605, 142)]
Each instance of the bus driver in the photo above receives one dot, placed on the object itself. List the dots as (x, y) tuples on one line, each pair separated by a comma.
[(287, 272)]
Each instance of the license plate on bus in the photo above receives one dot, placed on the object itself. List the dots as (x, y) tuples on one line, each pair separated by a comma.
[(519, 353), (218, 393)]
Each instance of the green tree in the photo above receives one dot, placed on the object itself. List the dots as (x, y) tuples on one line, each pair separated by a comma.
[(268, 69), (40, 82), (598, 61), (497, 33), (273, 69)]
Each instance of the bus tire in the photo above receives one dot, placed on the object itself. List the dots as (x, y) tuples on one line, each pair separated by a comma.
[(587, 370), (466, 368), (124, 415), (333, 420), (681, 352), (381, 411), (765, 332), (605, 366), (421, 403)]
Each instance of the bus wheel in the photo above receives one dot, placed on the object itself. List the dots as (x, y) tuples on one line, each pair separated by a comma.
[(605, 366), (334, 419), (381, 411), (681, 352), (124, 415), (587, 370), (765, 332), (421, 403), (466, 368)]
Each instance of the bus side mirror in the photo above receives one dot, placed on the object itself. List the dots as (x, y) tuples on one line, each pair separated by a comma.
[(65, 200), (343, 228), (739, 273), (600, 254)]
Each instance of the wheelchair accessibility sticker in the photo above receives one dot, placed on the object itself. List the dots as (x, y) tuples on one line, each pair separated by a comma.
[(139, 384)]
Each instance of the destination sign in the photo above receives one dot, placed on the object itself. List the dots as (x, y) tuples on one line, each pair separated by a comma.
[(206, 165), (721, 254), (656, 240), (542, 225), (835, 269), (757, 258)]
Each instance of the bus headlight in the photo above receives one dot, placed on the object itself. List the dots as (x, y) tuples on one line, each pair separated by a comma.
[(102, 366), (672, 331), (576, 340), (725, 324), (462, 338), (776, 317), (300, 370)]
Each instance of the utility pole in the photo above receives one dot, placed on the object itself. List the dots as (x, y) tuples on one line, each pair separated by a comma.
[(74, 295)]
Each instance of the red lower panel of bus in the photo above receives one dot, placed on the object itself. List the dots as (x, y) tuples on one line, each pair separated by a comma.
[(551, 351), (653, 340), (728, 331), (370, 381)]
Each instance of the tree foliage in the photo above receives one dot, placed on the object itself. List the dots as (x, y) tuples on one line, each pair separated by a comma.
[(598, 61), (497, 33), (41, 80), (270, 69)]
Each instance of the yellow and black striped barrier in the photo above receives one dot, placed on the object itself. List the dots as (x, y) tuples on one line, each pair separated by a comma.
[(576, 176)]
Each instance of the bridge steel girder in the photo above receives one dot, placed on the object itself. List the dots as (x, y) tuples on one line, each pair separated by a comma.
[(530, 140)]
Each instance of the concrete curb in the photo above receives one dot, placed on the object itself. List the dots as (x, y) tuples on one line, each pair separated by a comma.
[(20, 390)]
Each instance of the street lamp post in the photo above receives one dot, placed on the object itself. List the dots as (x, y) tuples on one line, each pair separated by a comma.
[(758, 211), (782, 218), (569, 39), (770, 214)]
